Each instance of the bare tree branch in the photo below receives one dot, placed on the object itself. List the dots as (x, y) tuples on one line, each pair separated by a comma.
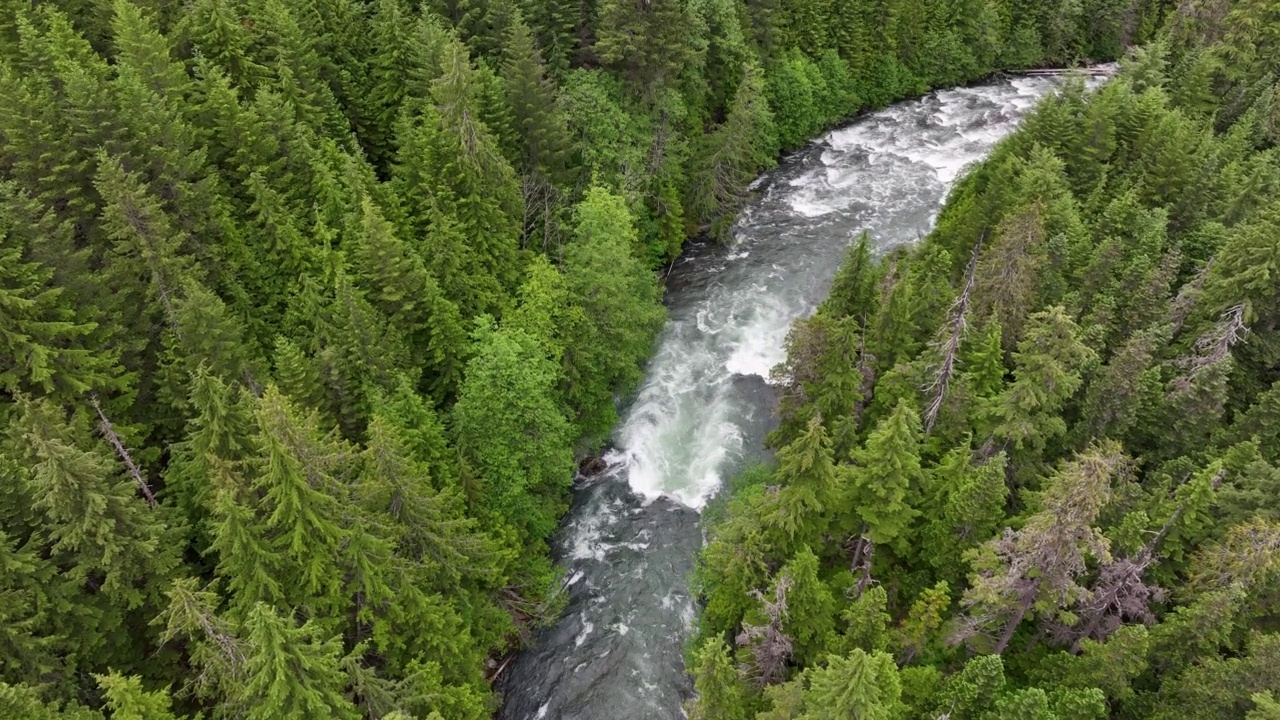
[(949, 343), (770, 647), (108, 432)]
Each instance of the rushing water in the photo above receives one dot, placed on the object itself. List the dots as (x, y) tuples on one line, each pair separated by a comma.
[(632, 535)]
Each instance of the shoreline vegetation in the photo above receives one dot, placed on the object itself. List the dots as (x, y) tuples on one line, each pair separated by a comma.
[(308, 308), (1027, 467)]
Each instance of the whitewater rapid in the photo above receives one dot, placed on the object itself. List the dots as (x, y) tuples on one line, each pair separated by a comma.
[(631, 538)]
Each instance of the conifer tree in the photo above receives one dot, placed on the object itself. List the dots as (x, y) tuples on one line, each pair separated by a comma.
[(733, 154), (390, 66), (885, 483), (1047, 371), (810, 617), (807, 501), (129, 701), (40, 345), (721, 694), (540, 129), (1036, 568), (647, 42), (292, 672), (215, 29), (400, 285), (966, 509), (219, 431), (854, 291), (620, 313), (298, 481)]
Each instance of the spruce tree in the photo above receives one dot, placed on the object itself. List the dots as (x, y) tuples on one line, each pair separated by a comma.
[(721, 692), (292, 672), (884, 485), (1037, 568), (859, 685)]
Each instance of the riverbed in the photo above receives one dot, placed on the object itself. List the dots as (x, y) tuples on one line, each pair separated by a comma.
[(630, 541)]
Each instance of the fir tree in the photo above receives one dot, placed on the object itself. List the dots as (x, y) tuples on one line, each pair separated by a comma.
[(884, 486), (292, 673)]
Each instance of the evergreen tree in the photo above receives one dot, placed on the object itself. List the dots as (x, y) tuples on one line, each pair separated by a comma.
[(885, 483), (129, 701), (292, 673), (621, 311), (648, 42), (1036, 568), (734, 154), (1047, 371), (721, 695)]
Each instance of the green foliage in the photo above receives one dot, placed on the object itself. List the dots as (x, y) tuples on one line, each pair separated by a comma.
[(509, 427), (1092, 512), (256, 463), (617, 311)]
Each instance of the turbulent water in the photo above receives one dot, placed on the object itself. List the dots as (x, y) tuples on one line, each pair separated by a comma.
[(632, 535)]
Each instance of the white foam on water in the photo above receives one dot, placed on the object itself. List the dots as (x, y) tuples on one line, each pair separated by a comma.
[(587, 627), (887, 173)]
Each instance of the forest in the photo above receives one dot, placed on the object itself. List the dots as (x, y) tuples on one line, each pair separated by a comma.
[(310, 308), (1029, 469)]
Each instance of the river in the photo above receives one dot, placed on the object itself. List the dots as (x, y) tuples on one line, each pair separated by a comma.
[(631, 538)]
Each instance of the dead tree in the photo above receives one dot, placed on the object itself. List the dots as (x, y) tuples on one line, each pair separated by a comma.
[(109, 433), (1120, 594), (769, 645), (949, 343)]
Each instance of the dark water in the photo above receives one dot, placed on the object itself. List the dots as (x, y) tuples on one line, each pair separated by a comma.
[(630, 540)]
